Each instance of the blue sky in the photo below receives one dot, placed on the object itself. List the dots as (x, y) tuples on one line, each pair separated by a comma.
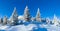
[(47, 7)]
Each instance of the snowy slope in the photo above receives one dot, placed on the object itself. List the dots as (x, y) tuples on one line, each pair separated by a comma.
[(30, 27)]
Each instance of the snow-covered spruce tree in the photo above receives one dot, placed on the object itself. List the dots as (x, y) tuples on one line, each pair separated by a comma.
[(1, 20), (55, 20), (48, 20), (14, 18), (38, 18), (27, 16), (5, 20), (33, 18)]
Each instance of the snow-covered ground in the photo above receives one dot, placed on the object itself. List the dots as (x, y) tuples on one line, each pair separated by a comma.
[(18, 27), (52, 27), (30, 27)]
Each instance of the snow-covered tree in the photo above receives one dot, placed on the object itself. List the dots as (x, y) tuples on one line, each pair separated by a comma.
[(5, 20), (33, 18), (1, 20), (48, 20), (38, 18), (55, 20), (27, 16), (14, 17)]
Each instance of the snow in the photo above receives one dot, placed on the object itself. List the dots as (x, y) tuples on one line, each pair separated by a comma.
[(52, 27), (22, 28), (30, 27), (20, 17), (4, 27)]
